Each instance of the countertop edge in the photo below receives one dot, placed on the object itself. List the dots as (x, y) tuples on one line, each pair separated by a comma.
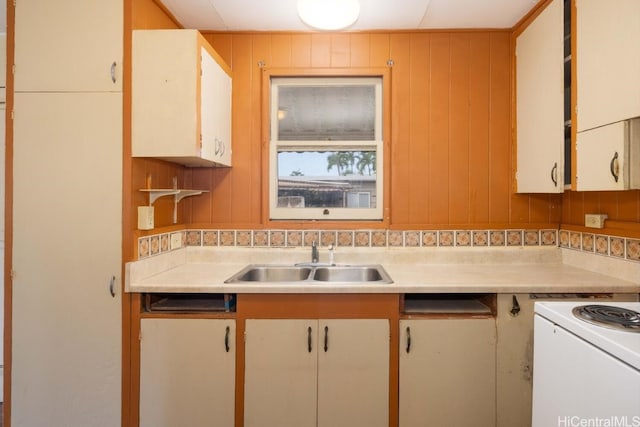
[(190, 272)]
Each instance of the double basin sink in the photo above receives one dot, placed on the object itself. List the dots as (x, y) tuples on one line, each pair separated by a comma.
[(311, 273)]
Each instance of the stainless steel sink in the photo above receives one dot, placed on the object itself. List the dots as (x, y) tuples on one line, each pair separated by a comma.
[(309, 273), (264, 273), (349, 274)]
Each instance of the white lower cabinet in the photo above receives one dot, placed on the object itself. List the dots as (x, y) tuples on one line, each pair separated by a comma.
[(187, 372), (326, 373), (447, 372)]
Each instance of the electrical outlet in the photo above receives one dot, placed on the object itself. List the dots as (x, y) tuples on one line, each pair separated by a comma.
[(176, 240), (595, 220), (145, 217)]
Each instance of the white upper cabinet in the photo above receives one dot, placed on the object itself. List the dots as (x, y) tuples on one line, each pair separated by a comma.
[(215, 98), (608, 61), (68, 46), (540, 103), (181, 106), (609, 157)]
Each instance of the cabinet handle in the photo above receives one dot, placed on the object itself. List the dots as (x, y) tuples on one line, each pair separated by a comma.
[(554, 174), (226, 339), (326, 338), (217, 146), (614, 166), (113, 72), (515, 306), (309, 339), (408, 339), (112, 286)]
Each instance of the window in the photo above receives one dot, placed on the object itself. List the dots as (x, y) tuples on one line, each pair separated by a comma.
[(326, 148)]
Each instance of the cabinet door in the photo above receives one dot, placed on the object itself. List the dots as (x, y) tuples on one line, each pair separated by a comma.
[(603, 158), (67, 239), (223, 117), (165, 94), (281, 362), (540, 103), (608, 61), (68, 45), (447, 372), (215, 111), (209, 109), (187, 372), (353, 373)]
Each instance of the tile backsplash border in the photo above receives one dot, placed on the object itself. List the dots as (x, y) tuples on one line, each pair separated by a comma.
[(624, 248), (593, 243), (156, 244)]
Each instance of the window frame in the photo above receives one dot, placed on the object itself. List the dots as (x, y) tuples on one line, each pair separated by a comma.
[(275, 146)]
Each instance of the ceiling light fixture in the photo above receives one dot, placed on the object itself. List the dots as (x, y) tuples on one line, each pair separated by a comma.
[(329, 14)]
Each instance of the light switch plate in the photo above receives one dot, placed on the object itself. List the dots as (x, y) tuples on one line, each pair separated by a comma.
[(145, 217), (594, 220), (176, 240)]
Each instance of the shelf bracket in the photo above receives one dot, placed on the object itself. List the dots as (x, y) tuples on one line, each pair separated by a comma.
[(178, 194)]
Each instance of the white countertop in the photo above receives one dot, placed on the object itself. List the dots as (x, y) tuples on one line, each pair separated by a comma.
[(535, 270)]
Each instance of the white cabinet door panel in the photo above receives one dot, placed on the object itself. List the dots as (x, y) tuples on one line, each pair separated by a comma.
[(280, 372), (540, 103), (67, 240), (603, 154), (447, 378), (187, 375), (68, 45), (608, 61), (353, 375)]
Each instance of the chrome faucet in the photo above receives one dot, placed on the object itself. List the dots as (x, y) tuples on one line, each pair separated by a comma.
[(314, 252)]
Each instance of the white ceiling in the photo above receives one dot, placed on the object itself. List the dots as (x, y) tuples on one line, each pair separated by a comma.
[(281, 15)]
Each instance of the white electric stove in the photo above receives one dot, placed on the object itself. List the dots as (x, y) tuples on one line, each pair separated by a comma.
[(586, 365)]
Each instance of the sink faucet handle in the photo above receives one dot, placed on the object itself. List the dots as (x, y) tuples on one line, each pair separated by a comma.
[(331, 249)]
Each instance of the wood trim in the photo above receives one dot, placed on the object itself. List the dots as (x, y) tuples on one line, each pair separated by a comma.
[(574, 97), (521, 25), (129, 252), (8, 218), (316, 306), (166, 11), (353, 226)]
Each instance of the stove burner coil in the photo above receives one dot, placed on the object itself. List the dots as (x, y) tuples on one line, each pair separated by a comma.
[(609, 316)]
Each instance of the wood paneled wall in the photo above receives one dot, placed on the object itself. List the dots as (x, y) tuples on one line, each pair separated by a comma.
[(451, 159), (622, 208), (451, 153)]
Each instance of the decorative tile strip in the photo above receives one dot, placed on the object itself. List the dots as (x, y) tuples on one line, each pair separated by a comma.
[(618, 247), (601, 244)]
